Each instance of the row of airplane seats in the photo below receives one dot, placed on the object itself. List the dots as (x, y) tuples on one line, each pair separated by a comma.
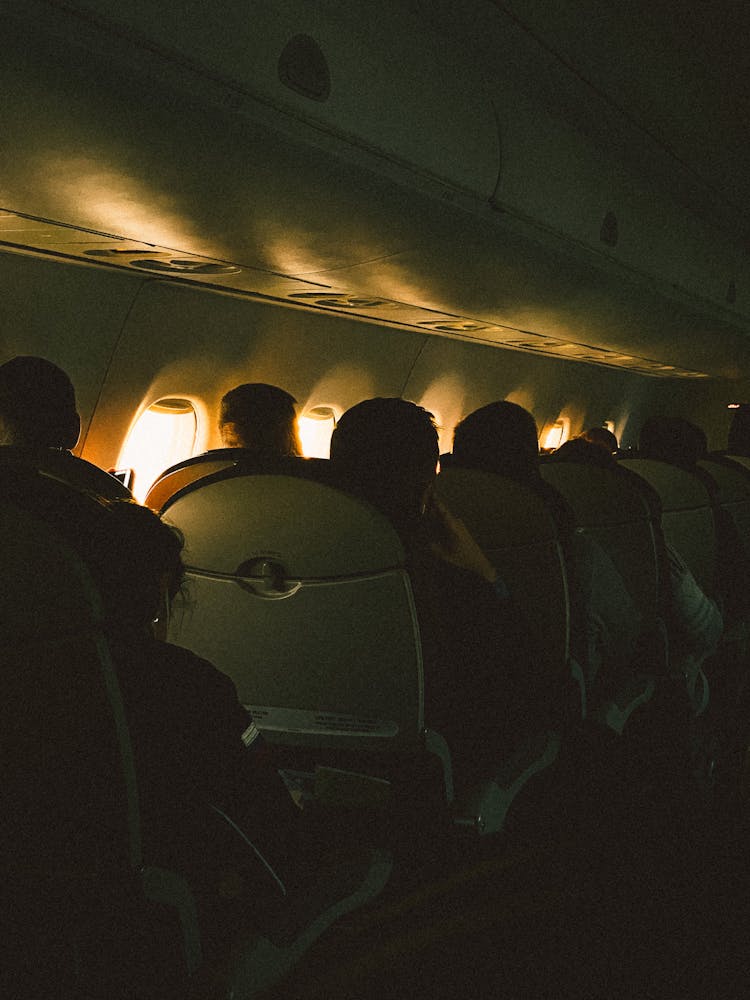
[(292, 574), (630, 516)]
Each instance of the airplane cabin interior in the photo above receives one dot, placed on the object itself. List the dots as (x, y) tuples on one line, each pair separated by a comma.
[(450, 203)]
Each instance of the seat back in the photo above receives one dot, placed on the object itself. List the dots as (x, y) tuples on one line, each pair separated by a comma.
[(610, 508), (70, 830), (512, 525), (191, 470), (66, 468), (731, 487), (298, 592), (742, 460), (177, 478), (688, 519), (83, 915), (732, 492)]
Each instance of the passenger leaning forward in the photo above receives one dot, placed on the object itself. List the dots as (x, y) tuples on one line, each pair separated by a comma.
[(502, 438), (213, 805), (385, 451)]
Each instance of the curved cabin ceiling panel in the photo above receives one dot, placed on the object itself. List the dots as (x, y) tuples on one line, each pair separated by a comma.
[(547, 295), (680, 78), (562, 181), (115, 151), (96, 149), (381, 77)]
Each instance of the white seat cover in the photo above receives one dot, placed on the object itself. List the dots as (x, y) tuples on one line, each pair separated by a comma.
[(298, 592)]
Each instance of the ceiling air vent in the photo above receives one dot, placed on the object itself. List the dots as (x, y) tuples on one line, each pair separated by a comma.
[(119, 252), (182, 265), (535, 345), (341, 301), (455, 326), (303, 68)]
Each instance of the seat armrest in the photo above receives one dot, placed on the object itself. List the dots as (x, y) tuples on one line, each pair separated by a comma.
[(485, 807), (262, 961), (615, 712), (170, 889)]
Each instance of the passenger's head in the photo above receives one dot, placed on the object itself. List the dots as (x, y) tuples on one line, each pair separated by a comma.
[(584, 452), (140, 567), (672, 439), (37, 405), (386, 451), (501, 438), (262, 418), (603, 438), (738, 442), (134, 558)]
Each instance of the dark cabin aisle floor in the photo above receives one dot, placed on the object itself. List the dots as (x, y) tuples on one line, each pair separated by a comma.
[(638, 896)]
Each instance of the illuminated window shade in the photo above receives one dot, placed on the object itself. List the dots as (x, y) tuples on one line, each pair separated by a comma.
[(556, 434), (163, 434), (315, 430)]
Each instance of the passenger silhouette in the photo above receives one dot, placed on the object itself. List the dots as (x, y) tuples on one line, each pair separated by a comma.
[(385, 451), (674, 440), (37, 405), (582, 449), (260, 418), (39, 424), (695, 624), (501, 437), (603, 437), (208, 784)]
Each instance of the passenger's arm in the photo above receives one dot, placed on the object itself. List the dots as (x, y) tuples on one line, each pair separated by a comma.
[(451, 540), (696, 618)]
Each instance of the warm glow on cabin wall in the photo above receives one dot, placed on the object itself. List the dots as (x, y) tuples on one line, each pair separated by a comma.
[(445, 398), (340, 387), (118, 203)]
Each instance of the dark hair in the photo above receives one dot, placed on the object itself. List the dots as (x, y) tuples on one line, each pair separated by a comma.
[(602, 437), (129, 551), (142, 554), (265, 418), (38, 403), (586, 452), (500, 437), (672, 439), (386, 451)]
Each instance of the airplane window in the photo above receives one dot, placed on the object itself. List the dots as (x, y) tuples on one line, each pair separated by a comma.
[(163, 434), (556, 434), (315, 430)]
